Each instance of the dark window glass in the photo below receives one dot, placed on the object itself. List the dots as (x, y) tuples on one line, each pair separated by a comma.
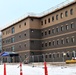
[(49, 32), (61, 15), (72, 39), (62, 28), (71, 11), (19, 26), (48, 20), (25, 23), (57, 29), (67, 27), (52, 18), (13, 48), (50, 56), (72, 25), (66, 13), (13, 30), (68, 55), (49, 43), (45, 21), (41, 22), (12, 39), (57, 42), (42, 33), (62, 41), (56, 17), (53, 30), (45, 32), (45, 44), (53, 55), (67, 40), (45, 56), (53, 42), (19, 46), (25, 34), (25, 44)]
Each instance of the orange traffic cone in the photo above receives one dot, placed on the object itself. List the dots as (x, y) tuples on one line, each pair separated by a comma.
[(21, 69), (45, 69), (4, 69)]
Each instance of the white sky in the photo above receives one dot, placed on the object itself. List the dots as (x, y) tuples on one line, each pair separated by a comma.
[(11, 10)]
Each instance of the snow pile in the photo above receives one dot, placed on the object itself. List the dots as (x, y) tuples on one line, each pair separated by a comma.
[(39, 70)]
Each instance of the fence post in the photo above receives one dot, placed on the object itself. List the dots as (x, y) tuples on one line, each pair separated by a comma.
[(45, 69), (21, 69), (4, 69)]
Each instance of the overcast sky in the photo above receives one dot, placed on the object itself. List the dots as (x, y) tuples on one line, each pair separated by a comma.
[(11, 10)]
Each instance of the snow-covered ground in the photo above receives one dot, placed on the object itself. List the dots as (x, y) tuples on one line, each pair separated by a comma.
[(14, 69)]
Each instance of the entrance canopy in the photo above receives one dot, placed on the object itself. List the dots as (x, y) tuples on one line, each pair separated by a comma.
[(9, 54)]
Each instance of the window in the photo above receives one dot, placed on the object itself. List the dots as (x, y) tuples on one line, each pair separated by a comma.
[(56, 17), (72, 39), (52, 18), (62, 41), (49, 32), (46, 56), (67, 27), (45, 21), (53, 55), (61, 15), (25, 23), (71, 11), (49, 55), (62, 28), (42, 33), (57, 29), (67, 40), (13, 48), (24, 34), (13, 30), (49, 43), (12, 39), (72, 25), (25, 45), (58, 42), (45, 44), (3, 41), (68, 55), (45, 32), (41, 22), (53, 42), (48, 20), (19, 26), (53, 31), (66, 13)]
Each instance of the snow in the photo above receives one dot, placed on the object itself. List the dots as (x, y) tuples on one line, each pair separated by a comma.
[(14, 69)]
